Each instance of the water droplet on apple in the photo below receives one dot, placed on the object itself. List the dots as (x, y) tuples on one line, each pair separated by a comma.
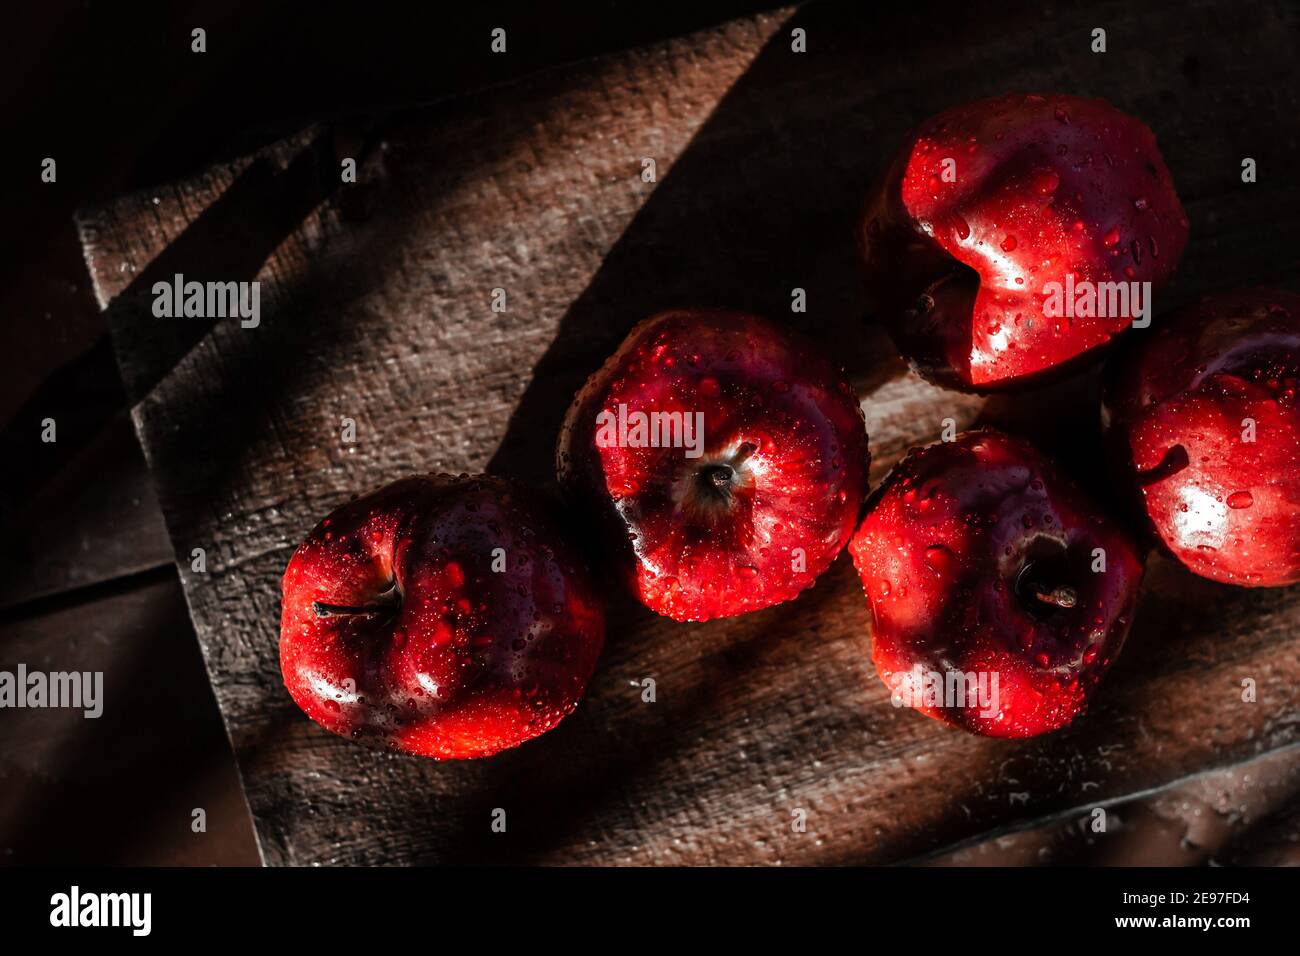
[(939, 559), (1045, 181)]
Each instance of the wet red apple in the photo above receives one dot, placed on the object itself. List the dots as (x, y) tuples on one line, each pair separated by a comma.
[(723, 459), (999, 592), (1202, 411), (1010, 238), (440, 616)]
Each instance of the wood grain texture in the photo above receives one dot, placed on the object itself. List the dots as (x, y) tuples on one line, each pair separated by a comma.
[(1246, 814), (377, 308)]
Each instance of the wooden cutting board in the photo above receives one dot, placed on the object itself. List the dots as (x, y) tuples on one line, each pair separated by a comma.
[(377, 307)]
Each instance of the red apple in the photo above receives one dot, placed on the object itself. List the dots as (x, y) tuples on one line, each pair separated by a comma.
[(987, 570), (757, 498), (439, 616), (995, 226), (1204, 415)]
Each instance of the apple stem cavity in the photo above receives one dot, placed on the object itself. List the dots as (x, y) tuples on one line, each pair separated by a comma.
[(719, 478)]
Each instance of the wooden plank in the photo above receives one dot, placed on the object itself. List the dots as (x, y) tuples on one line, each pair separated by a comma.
[(1244, 815), (94, 520), (377, 308), (119, 788), (80, 510)]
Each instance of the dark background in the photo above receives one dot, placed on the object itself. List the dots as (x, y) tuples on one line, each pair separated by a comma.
[(88, 581)]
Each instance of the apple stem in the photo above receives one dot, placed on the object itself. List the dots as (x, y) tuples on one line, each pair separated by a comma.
[(1062, 597), (336, 610), (387, 601)]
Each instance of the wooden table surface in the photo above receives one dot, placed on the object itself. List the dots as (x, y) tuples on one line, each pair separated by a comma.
[(376, 302)]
